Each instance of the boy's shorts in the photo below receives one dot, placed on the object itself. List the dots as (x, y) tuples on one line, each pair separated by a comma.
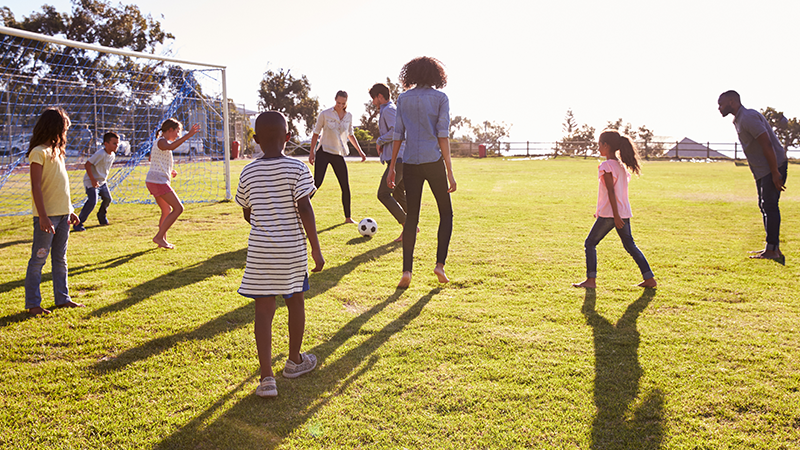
[(158, 189), (306, 287)]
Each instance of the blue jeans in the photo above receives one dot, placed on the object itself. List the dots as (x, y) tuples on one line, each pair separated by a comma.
[(56, 245), (768, 198), (91, 200), (600, 229)]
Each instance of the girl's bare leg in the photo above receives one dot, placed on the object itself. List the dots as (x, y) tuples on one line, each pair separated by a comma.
[(166, 202)]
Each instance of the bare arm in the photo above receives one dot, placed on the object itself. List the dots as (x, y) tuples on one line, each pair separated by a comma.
[(310, 227), (608, 180), (444, 144), (769, 154), (395, 151), (354, 141), (312, 155), (88, 167), (38, 199), (246, 213), (164, 145)]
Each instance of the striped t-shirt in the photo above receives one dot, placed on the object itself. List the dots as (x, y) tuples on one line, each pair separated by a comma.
[(277, 259)]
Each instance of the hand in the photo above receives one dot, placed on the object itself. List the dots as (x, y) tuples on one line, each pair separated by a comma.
[(95, 184), (777, 180), (45, 225), (452, 180), (380, 149), (619, 223), (73, 219), (319, 261), (195, 128), (311, 157), (174, 173), (363, 156), (390, 178)]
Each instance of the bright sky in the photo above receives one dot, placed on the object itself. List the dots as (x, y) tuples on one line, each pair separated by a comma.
[(659, 64)]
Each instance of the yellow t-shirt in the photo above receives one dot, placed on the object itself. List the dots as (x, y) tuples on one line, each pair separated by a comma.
[(55, 182)]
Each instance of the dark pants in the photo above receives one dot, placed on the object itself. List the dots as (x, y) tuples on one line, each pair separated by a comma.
[(768, 198), (339, 168), (415, 176), (394, 199), (602, 226), (91, 200)]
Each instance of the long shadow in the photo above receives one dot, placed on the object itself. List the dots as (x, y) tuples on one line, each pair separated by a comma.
[(616, 383), (320, 282), (254, 419), (103, 265), (332, 227), (12, 243), (178, 278)]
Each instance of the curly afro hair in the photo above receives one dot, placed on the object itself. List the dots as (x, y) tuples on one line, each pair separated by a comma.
[(423, 71)]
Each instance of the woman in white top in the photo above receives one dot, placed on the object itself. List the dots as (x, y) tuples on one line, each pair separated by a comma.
[(336, 126)]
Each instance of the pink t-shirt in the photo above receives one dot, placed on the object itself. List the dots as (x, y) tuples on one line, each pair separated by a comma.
[(621, 179)]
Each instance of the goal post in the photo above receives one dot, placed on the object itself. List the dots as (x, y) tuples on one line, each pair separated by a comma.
[(106, 89)]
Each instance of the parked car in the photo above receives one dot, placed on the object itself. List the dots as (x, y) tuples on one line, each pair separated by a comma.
[(191, 147), (18, 145)]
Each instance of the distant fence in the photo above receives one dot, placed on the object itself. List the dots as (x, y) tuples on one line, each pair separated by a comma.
[(533, 149)]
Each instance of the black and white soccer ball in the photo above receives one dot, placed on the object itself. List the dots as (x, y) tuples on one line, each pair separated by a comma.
[(367, 227)]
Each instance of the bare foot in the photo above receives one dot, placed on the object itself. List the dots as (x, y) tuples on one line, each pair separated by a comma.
[(767, 254), (71, 304), (405, 281), (38, 311), (648, 283), (162, 243), (349, 220), (590, 283), (439, 272), (400, 238)]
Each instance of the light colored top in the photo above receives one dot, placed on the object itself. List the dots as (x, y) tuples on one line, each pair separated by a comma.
[(160, 171), (621, 179), (55, 182), (750, 124), (388, 114), (423, 116), (277, 258), (101, 164), (334, 131)]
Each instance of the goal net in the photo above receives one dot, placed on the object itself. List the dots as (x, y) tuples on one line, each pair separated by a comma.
[(104, 89)]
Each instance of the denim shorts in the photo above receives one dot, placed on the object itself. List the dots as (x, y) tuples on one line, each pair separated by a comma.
[(306, 287)]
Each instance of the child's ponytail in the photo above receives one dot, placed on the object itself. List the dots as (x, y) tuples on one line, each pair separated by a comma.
[(628, 152), (51, 130), (168, 124)]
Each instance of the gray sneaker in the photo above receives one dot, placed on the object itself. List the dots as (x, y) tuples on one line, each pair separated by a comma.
[(293, 370), (267, 388)]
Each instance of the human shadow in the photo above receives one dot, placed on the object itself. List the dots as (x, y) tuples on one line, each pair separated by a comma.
[(103, 265), (320, 282), (13, 243), (176, 279), (618, 423), (332, 227), (255, 420)]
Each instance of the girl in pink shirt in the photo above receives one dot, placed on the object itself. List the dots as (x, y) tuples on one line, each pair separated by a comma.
[(613, 207)]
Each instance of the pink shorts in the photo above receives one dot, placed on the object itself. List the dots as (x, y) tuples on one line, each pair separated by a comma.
[(158, 189)]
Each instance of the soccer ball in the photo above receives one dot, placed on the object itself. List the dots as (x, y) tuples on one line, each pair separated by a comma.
[(367, 227)]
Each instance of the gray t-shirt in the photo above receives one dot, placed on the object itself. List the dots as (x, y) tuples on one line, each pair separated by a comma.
[(750, 124), (101, 164)]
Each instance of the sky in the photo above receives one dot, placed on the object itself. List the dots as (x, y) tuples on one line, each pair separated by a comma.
[(658, 64)]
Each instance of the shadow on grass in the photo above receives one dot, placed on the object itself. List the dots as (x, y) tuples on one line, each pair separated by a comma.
[(103, 265), (332, 227), (13, 243), (178, 278), (257, 423), (320, 282), (616, 382)]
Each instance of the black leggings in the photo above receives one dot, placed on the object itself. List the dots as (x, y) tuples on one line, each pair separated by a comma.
[(340, 169), (414, 176)]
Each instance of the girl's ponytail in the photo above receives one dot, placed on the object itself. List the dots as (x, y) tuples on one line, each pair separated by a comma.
[(628, 152)]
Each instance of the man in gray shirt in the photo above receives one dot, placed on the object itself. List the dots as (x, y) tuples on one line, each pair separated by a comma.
[(767, 160)]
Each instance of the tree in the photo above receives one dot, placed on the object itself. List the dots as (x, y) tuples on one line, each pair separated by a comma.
[(369, 120), (787, 130), (577, 140), (280, 91)]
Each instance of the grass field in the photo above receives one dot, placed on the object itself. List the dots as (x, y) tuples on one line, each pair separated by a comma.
[(507, 355)]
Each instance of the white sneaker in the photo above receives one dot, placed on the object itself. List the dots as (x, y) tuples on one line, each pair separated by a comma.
[(308, 363), (267, 388)]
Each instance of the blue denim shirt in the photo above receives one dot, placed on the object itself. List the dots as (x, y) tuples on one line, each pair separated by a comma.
[(423, 116), (388, 113)]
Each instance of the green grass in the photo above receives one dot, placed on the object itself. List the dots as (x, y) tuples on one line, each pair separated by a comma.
[(508, 355)]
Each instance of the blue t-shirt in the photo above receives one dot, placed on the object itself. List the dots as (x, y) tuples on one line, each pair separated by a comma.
[(423, 116)]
